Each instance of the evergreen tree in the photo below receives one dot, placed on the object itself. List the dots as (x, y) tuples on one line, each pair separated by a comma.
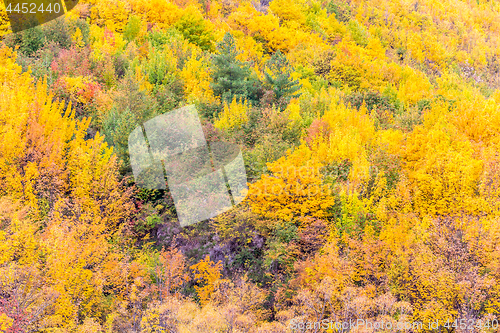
[(279, 80), (233, 78)]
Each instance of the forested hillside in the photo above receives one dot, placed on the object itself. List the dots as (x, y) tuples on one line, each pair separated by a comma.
[(370, 131)]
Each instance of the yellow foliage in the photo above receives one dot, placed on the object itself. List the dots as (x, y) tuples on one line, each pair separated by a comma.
[(105, 42), (141, 78), (78, 38), (414, 86), (69, 182), (61, 200), (4, 20), (294, 188), (288, 11), (18, 240), (333, 28), (78, 88), (442, 166), (278, 36), (233, 116), (375, 49), (196, 76), (209, 274), (359, 68), (351, 131), (5, 323), (111, 14), (294, 111), (161, 12), (251, 50)]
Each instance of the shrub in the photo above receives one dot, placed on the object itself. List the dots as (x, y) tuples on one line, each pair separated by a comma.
[(169, 95), (84, 29), (31, 40), (340, 9), (57, 31), (80, 91), (120, 64), (358, 33), (233, 116), (193, 27), (132, 28), (72, 62), (159, 67), (40, 63)]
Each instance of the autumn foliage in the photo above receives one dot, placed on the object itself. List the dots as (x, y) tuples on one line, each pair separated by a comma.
[(370, 132)]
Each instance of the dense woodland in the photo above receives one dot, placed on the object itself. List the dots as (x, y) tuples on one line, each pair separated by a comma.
[(370, 131)]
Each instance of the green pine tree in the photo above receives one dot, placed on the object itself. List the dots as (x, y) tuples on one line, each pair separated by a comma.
[(279, 80), (233, 78)]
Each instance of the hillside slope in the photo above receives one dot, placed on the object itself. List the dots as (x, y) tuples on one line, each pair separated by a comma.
[(371, 137)]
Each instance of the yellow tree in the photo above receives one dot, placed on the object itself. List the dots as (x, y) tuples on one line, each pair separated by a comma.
[(294, 188), (233, 115), (209, 274), (196, 76), (111, 14)]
